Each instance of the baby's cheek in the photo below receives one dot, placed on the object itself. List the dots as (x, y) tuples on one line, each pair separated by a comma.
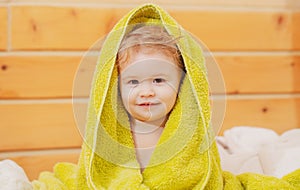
[(169, 96), (171, 91), (129, 96)]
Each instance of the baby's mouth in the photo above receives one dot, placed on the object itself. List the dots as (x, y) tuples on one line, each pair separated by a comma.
[(147, 104)]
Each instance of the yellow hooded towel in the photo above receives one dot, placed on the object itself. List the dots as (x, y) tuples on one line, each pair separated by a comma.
[(185, 157)]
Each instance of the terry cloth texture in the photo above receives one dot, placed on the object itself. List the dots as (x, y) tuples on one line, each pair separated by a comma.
[(185, 157)]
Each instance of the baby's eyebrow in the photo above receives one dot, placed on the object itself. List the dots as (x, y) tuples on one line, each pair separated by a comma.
[(160, 75), (129, 77)]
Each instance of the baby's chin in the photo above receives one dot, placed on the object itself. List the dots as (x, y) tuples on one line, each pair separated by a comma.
[(156, 121)]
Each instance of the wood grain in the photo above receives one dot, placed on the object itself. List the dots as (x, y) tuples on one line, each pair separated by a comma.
[(60, 28), (39, 76), (278, 114), (228, 3), (296, 74), (3, 28), (50, 126), (54, 28), (38, 126), (260, 74), (296, 30), (60, 76)]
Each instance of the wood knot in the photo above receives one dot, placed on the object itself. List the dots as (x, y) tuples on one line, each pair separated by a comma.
[(3, 67), (236, 92), (33, 25), (265, 109), (292, 64), (73, 13), (280, 19)]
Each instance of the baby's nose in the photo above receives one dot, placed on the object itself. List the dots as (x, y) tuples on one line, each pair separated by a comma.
[(147, 91)]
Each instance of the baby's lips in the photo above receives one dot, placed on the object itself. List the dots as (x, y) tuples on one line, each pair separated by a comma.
[(147, 103)]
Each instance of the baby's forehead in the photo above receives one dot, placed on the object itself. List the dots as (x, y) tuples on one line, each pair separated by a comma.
[(150, 67), (144, 60)]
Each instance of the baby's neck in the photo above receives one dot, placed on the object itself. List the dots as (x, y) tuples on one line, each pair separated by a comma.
[(145, 137), (142, 127), (146, 134)]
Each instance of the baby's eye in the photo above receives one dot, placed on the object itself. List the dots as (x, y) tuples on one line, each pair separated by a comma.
[(133, 82), (159, 80)]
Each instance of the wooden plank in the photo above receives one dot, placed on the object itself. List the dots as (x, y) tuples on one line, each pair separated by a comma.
[(42, 125), (296, 73), (260, 74), (39, 76), (59, 76), (238, 30), (42, 27), (279, 114), (296, 30), (35, 126), (253, 3), (34, 164), (60, 27), (3, 28)]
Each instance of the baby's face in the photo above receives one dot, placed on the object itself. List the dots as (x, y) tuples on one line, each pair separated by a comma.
[(149, 85)]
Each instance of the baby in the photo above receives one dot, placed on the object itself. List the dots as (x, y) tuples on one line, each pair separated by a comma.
[(151, 68), (149, 117)]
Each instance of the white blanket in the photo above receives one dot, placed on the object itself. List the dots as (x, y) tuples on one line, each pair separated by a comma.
[(259, 150), (13, 177)]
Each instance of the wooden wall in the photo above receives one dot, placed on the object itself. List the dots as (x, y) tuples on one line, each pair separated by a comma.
[(256, 44)]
